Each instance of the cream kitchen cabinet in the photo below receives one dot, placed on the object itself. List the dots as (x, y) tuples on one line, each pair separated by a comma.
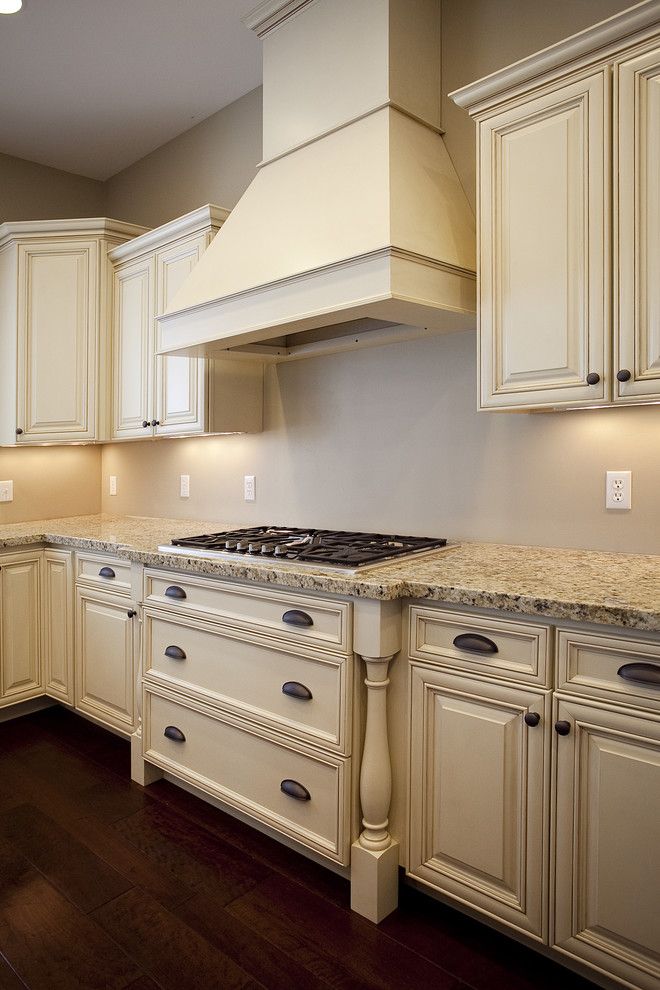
[(569, 204), (160, 396), (58, 625), (54, 323), (20, 627)]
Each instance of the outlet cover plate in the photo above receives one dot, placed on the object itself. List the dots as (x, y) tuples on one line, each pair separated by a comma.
[(618, 490)]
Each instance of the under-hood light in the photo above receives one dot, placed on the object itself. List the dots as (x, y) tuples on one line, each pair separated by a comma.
[(10, 6)]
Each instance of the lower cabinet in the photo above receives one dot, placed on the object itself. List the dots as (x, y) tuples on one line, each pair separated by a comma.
[(479, 794), (106, 658), (57, 639), (20, 627), (607, 853)]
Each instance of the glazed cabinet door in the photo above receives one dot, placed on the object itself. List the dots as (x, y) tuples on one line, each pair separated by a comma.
[(479, 794), (637, 193), (57, 624), (608, 842), (105, 658), (132, 342), (20, 609), (57, 332), (180, 382), (544, 248)]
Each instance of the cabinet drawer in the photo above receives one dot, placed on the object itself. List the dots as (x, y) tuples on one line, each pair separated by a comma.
[(301, 695), (512, 650), (588, 664), (247, 770), (103, 571), (293, 617)]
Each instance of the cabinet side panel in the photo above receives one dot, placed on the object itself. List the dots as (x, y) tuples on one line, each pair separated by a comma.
[(20, 605), (8, 338)]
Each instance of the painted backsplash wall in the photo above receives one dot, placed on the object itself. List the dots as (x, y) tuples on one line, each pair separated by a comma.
[(389, 439), (51, 481)]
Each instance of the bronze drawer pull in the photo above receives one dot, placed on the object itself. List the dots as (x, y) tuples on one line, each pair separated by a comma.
[(294, 689), (295, 790), (175, 653), (294, 617), (106, 572), (474, 643), (640, 673), (532, 719), (174, 591), (171, 732)]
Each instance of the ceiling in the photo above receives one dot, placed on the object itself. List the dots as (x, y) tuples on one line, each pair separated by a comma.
[(91, 86)]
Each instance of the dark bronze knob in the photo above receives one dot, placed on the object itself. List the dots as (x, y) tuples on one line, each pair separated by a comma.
[(145, 423), (18, 431), (131, 613), (155, 422), (593, 378), (623, 375), (532, 719), (562, 728)]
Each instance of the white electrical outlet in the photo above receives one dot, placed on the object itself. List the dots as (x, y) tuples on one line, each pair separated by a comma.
[(185, 486), (618, 490), (6, 491), (249, 487), (113, 484)]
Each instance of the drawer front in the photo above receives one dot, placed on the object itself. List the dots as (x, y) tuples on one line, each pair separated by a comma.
[(512, 650), (246, 770), (623, 670), (293, 617), (103, 571), (304, 696)]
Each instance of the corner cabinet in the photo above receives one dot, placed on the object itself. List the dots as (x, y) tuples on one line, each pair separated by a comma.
[(20, 627), (156, 395), (54, 322), (569, 212)]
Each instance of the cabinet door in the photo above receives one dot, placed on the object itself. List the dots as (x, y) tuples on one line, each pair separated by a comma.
[(637, 193), (479, 795), (105, 674), (544, 249), (180, 381), (132, 345), (57, 332), (57, 624), (20, 628), (608, 843)]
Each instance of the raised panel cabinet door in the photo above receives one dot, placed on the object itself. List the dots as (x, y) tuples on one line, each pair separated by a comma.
[(637, 195), (132, 349), (20, 652), (479, 783), (545, 249), (607, 861), (105, 659), (180, 381), (57, 331), (57, 624)]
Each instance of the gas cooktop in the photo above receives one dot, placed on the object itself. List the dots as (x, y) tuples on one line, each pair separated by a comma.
[(311, 547)]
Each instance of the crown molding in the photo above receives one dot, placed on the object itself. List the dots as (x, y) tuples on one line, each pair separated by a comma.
[(205, 218), (271, 13)]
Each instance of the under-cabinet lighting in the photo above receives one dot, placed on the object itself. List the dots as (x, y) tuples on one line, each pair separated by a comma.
[(10, 6)]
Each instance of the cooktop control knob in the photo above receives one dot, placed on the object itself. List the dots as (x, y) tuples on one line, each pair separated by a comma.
[(267, 548)]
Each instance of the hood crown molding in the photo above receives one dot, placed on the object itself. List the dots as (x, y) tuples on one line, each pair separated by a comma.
[(271, 14)]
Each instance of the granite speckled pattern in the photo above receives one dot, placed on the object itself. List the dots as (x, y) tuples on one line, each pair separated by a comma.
[(581, 585)]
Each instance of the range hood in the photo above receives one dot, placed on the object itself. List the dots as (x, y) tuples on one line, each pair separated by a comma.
[(356, 229)]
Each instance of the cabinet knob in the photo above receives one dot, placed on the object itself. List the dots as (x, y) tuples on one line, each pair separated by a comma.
[(295, 790), (532, 719), (155, 422), (131, 613), (171, 732), (562, 728), (145, 423), (593, 378), (175, 653), (19, 431), (294, 689), (294, 617), (174, 591), (623, 375), (474, 643)]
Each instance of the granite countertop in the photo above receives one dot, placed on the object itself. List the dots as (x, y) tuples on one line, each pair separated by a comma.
[(582, 585)]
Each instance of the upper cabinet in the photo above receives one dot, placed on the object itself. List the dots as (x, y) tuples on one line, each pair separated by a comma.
[(54, 321), (568, 143), (155, 395)]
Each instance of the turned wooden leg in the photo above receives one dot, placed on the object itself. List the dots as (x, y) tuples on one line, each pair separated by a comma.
[(375, 857)]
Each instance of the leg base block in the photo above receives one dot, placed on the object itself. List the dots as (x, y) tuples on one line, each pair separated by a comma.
[(374, 881), (142, 772)]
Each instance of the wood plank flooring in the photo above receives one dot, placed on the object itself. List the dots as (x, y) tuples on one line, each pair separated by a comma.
[(106, 885)]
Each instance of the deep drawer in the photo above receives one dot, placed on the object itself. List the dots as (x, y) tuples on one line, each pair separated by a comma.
[(623, 670), (302, 695), (511, 649), (247, 770), (103, 571), (294, 617)]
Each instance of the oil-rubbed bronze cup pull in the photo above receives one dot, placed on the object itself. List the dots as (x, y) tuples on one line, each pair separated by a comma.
[(294, 617), (175, 653), (171, 732), (474, 643), (294, 689), (174, 591), (106, 572), (640, 673), (295, 790)]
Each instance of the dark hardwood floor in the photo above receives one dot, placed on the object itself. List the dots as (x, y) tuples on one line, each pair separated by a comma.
[(106, 885)]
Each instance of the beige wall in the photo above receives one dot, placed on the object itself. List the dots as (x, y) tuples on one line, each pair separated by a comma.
[(34, 192), (51, 481)]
